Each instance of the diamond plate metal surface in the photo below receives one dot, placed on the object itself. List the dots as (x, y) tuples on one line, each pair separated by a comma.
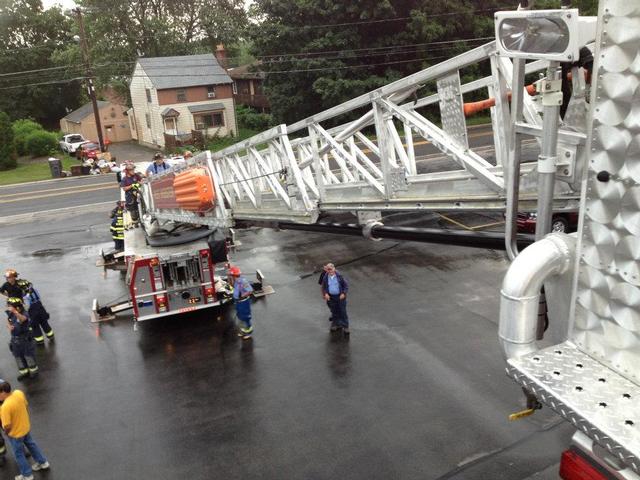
[(596, 400), (607, 314), (451, 108)]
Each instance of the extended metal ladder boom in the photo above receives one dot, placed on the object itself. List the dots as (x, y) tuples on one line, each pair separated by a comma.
[(293, 173)]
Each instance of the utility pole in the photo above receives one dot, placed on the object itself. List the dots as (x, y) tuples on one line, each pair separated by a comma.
[(89, 73)]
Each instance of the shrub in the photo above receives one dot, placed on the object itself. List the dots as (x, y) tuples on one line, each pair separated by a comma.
[(22, 129), (249, 118), (7, 151), (41, 143)]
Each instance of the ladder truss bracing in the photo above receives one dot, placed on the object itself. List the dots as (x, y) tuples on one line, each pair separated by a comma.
[(373, 162)]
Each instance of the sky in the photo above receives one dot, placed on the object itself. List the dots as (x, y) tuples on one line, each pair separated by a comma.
[(65, 3)]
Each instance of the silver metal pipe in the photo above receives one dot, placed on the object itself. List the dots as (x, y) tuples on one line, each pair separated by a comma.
[(547, 161), (513, 163), (520, 291)]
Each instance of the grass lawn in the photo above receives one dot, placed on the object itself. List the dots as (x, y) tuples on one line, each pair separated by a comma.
[(30, 170)]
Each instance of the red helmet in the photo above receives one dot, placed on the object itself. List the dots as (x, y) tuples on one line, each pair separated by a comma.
[(234, 272)]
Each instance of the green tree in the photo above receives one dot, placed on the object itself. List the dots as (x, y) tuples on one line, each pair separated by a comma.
[(21, 130), (337, 50), (7, 152), (119, 31), (30, 38)]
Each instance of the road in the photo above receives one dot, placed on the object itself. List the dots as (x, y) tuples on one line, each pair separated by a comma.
[(418, 392), (89, 190)]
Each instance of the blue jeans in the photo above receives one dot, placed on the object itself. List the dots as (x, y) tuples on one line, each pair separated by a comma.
[(18, 444), (338, 311), (243, 311)]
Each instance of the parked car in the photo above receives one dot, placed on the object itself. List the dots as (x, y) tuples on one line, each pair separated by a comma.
[(88, 150), (71, 142), (561, 222)]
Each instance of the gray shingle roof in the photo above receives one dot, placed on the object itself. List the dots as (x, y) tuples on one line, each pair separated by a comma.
[(169, 110), (184, 71), (206, 107), (78, 115)]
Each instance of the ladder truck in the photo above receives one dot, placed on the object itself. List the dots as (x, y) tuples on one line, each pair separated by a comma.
[(570, 142)]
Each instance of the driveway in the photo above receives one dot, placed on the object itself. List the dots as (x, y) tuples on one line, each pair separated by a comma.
[(131, 151)]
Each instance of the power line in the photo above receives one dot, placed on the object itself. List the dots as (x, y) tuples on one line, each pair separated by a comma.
[(53, 82), (395, 49), (329, 25), (347, 67)]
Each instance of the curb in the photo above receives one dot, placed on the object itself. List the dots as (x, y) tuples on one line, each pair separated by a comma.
[(47, 214)]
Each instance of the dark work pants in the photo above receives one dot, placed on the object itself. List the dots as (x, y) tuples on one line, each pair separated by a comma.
[(40, 321), (338, 311)]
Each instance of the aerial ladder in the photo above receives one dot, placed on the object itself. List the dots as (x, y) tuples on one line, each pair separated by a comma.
[(579, 115)]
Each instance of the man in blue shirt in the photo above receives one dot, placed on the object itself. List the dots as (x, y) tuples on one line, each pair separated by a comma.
[(334, 291), (158, 165), (242, 291)]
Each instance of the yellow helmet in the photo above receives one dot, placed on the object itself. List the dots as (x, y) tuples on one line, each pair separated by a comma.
[(14, 302)]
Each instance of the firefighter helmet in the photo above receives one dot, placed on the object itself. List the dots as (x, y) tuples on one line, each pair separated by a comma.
[(24, 285), (14, 302), (10, 272), (234, 271)]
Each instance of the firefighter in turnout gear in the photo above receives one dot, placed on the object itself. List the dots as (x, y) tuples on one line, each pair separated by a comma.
[(242, 291), (38, 315), (22, 346), (117, 226), (10, 288)]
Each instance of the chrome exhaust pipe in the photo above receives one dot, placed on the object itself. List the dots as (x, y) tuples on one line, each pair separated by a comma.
[(521, 287)]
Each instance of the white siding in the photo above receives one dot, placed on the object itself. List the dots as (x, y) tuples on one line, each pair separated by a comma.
[(186, 123), (155, 135), (139, 83)]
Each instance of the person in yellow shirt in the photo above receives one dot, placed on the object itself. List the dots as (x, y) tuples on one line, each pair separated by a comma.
[(16, 424)]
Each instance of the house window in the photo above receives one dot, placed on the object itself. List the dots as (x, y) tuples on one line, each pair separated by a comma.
[(147, 117), (234, 87), (148, 92), (181, 94), (211, 91), (208, 120)]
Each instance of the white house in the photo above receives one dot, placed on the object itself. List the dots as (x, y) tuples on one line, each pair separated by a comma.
[(174, 95)]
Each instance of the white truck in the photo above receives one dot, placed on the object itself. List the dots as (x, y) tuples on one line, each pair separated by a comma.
[(583, 120), (71, 142)]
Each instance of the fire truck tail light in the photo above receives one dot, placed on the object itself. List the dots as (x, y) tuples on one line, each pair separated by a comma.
[(204, 253), (154, 262), (209, 291), (574, 466), (162, 303)]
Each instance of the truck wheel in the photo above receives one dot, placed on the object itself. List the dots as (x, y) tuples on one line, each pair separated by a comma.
[(559, 225)]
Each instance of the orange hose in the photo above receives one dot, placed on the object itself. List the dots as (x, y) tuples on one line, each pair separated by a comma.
[(472, 108), (194, 190)]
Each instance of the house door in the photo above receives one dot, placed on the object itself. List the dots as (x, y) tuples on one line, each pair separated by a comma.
[(170, 126)]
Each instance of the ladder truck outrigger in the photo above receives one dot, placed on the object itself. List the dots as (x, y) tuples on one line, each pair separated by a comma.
[(581, 119)]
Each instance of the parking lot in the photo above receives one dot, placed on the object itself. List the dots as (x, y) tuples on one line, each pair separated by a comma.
[(418, 391)]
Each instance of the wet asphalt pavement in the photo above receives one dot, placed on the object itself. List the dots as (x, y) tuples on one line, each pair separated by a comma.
[(418, 392)]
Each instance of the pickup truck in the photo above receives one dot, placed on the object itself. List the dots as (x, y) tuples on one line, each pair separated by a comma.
[(71, 142)]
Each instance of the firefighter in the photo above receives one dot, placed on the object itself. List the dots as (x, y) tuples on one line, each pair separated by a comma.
[(38, 315), (131, 185), (242, 291), (22, 346), (117, 226), (10, 288)]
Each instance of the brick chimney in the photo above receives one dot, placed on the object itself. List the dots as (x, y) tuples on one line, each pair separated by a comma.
[(221, 55)]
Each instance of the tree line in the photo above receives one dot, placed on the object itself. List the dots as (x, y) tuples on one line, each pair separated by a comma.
[(314, 53)]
